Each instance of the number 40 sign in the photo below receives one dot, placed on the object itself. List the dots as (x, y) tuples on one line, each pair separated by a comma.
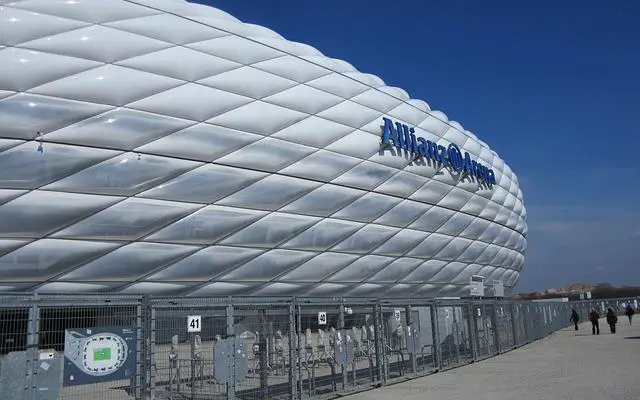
[(194, 323)]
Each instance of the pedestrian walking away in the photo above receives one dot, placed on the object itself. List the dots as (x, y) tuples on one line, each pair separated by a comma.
[(629, 312), (575, 318), (594, 317), (612, 320)]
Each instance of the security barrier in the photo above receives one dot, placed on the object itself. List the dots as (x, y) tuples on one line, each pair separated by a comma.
[(139, 347)]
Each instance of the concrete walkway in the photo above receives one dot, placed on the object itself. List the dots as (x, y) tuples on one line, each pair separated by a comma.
[(566, 365)]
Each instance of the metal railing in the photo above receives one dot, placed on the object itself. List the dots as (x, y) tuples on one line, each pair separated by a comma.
[(139, 347)]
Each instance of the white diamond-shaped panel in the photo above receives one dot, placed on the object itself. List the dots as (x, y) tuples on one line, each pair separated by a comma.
[(167, 147)]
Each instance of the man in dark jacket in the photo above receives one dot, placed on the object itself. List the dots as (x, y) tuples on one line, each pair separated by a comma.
[(575, 318), (594, 317), (612, 320), (629, 312)]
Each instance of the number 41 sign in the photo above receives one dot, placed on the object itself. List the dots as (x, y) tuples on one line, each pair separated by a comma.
[(194, 323)]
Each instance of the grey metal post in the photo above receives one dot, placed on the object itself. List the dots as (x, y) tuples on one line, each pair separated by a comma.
[(435, 334), (472, 332), (409, 323), (512, 310), (455, 333), (496, 331), (294, 378), (341, 328), (142, 354), (33, 328), (379, 346), (231, 385), (152, 356)]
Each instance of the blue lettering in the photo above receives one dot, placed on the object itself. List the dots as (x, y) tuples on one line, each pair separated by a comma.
[(404, 137), (389, 133), (422, 146), (400, 135)]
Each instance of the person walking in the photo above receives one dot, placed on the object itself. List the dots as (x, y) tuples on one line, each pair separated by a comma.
[(575, 318), (594, 317), (612, 320), (629, 312)]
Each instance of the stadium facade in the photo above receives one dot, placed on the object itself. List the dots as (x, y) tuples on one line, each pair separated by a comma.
[(166, 147)]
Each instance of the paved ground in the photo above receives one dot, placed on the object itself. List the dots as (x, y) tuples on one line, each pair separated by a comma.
[(566, 365)]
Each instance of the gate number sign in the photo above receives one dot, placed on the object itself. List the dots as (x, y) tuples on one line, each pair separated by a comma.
[(194, 323), (396, 314), (322, 318)]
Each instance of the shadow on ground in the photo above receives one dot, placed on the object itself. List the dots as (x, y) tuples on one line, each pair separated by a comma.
[(632, 337)]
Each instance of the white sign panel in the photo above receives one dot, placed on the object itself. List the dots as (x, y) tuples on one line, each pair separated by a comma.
[(194, 323), (396, 315), (588, 295), (581, 296), (322, 318), (476, 285)]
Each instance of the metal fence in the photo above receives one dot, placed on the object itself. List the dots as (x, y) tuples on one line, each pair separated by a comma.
[(137, 347)]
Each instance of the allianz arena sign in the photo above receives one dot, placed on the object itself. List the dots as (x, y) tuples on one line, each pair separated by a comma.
[(404, 137)]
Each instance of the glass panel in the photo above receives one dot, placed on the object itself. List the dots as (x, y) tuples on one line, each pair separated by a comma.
[(205, 264), (313, 131), (267, 154), (129, 262), (403, 214), (127, 220), (24, 167), (366, 239), (324, 201), (432, 192), (368, 289), (205, 184), (456, 199), (38, 213), (433, 219), (430, 246), (124, 175), (358, 144), (456, 224), (456, 247), (268, 266), (47, 258), (425, 271), (449, 272), (319, 267), (404, 241), (322, 166), (270, 193), (475, 228), (361, 269), (323, 235), (119, 129), (154, 288), (366, 176), (68, 287), (396, 270), (466, 273), (488, 255), (367, 208), (278, 289), (23, 115), (472, 252), (402, 184), (271, 230), (220, 289), (6, 144), (202, 142), (207, 225), (8, 194), (328, 289), (8, 245)]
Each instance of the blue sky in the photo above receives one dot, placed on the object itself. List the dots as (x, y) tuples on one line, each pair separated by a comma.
[(552, 86)]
